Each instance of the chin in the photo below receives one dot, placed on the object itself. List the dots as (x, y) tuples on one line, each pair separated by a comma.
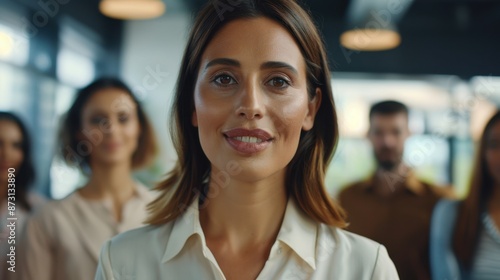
[(114, 159), (387, 165)]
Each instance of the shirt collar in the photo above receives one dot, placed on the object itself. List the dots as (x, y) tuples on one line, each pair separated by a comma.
[(184, 227), (297, 231), (411, 183)]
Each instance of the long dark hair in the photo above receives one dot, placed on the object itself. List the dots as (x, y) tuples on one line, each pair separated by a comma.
[(25, 175), (306, 172), (468, 225)]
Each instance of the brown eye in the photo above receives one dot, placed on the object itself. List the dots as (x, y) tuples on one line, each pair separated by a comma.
[(279, 82), (123, 119), (224, 80), (97, 120)]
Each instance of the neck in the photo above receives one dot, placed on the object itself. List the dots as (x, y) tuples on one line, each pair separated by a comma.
[(244, 214), (110, 182), (389, 181)]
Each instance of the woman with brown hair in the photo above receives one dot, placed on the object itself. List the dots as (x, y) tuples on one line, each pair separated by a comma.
[(465, 235), (16, 177), (105, 132), (254, 128)]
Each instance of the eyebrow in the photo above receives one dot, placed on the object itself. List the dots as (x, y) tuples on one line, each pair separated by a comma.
[(278, 64), (222, 61), (266, 65)]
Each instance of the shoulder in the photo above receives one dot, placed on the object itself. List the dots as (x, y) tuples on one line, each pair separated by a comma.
[(52, 210), (143, 242), (444, 216), (439, 191), (353, 188), (350, 243), (367, 258), (36, 200), (53, 206)]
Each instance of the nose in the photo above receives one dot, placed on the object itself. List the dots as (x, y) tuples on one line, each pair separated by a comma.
[(388, 140), (251, 102), (109, 128)]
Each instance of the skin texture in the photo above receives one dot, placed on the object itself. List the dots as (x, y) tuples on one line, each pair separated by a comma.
[(387, 135), (493, 165), (110, 123), (11, 154), (244, 90)]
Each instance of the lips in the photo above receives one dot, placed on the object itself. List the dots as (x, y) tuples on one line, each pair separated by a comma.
[(246, 141), (111, 145)]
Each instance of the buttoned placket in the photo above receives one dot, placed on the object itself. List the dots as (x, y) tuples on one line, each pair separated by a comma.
[(126, 211)]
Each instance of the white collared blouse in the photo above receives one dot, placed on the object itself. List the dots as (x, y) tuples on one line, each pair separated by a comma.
[(304, 249)]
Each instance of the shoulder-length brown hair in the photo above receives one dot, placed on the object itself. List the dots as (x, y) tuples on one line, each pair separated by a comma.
[(76, 151), (306, 172), (25, 174), (468, 225)]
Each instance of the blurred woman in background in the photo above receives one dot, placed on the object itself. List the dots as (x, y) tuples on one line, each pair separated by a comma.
[(105, 132), (465, 235), (15, 159)]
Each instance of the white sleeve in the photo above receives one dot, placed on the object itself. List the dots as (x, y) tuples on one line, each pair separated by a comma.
[(384, 267), (104, 270)]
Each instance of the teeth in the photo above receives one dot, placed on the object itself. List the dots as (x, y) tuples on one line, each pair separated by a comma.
[(248, 139)]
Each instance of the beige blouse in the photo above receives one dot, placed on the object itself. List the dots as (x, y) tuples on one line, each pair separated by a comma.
[(62, 241), (21, 215)]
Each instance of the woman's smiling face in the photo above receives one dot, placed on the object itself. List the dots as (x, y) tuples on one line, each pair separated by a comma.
[(251, 100)]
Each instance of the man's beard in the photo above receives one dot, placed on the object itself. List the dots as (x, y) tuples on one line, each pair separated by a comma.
[(388, 164)]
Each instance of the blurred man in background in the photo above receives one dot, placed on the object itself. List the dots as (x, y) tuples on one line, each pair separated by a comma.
[(393, 207)]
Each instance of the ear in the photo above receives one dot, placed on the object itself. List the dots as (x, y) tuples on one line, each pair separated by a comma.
[(194, 119), (313, 107)]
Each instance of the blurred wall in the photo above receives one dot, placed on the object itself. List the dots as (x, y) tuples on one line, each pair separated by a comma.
[(151, 56)]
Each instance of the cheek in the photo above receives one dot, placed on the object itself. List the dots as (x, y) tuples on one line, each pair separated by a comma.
[(132, 131), (289, 119), (210, 112), (17, 157), (493, 159)]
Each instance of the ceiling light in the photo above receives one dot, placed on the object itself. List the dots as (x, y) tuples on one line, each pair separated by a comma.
[(132, 9), (370, 39)]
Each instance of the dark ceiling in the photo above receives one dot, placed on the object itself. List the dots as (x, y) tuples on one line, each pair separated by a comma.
[(438, 37)]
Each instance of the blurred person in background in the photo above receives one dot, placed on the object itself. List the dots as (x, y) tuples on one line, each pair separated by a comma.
[(393, 207), (15, 159), (465, 234), (107, 133), (255, 127)]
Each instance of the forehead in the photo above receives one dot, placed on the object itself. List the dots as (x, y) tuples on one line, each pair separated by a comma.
[(260, 39), (9, 129), (109, 100), (389, 120)]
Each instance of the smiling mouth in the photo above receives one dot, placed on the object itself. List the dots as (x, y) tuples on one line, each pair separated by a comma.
[(247, 141)]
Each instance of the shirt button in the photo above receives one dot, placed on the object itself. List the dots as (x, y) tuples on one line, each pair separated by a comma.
[(279, 250)]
